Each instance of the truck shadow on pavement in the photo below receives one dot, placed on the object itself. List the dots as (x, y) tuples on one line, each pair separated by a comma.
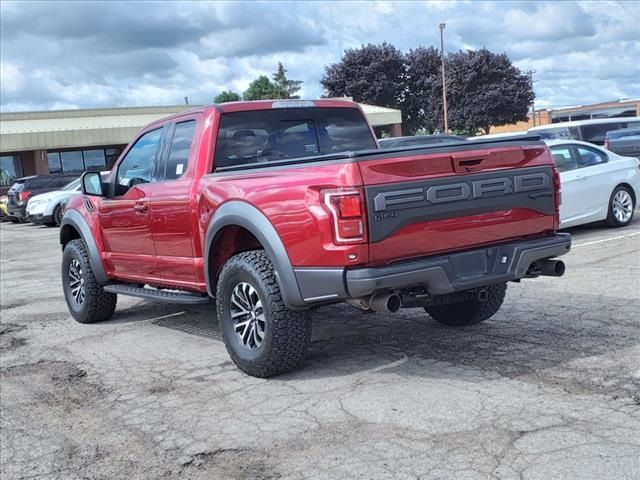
[(576, 346)]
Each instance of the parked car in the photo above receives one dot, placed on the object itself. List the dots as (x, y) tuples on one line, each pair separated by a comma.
[(4, 210), (277, 207), (596, 184), (24, 188), (592, 131), (47, 208), (624, 142), (418, 140)]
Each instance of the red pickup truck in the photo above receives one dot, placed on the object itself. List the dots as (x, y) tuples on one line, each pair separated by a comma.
[(273, 208)]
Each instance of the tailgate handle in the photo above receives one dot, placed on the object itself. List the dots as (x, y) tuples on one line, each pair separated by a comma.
[(470, 163)]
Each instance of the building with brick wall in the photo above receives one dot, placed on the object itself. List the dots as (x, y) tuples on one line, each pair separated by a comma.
[(620, 108)]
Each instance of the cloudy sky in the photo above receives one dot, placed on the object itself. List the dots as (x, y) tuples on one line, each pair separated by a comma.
[(100, 54)]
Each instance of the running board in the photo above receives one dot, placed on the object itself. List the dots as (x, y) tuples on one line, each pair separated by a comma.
[(165, 296)]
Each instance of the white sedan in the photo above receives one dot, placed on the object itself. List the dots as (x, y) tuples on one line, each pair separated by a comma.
[(596, 184)]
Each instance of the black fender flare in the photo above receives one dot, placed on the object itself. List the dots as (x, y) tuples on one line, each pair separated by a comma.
[(74, 219), (245, 215)]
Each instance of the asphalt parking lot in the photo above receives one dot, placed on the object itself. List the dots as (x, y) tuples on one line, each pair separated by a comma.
[(549, 388)]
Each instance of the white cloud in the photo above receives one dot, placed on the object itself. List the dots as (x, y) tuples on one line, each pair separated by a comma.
[(116, 54), (11, 79)]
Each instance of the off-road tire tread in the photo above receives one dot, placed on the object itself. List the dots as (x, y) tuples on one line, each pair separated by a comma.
[(470, 312), (291, 330), (611, 220), (101, 304)]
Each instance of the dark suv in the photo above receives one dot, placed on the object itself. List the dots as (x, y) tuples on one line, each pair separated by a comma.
[(625, 142), (24, 188)]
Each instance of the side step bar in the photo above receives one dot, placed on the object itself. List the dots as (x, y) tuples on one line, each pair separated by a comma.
[(165, 296)]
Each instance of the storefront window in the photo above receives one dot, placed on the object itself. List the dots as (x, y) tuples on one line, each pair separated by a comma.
[(10, 169), (54, 162), (72, 162), (94, 160), (112, 155)]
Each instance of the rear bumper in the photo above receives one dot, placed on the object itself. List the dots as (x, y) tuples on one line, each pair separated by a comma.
[(18, 211), (440, 275)]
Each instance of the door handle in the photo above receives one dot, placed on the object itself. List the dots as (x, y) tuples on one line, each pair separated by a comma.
[(140, 207), (581, 178)]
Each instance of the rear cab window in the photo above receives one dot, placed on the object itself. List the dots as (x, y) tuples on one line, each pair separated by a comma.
[(263, 136)]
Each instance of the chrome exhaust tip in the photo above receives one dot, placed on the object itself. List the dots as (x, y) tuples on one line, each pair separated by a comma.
[(388, 303)]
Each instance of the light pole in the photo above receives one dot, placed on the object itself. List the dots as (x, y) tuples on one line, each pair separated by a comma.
[(444, 82)]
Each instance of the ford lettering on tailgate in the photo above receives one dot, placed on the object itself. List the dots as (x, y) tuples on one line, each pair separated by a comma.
[(391, 207)]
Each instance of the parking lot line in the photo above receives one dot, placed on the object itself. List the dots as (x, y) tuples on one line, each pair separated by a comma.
[(619, 237)]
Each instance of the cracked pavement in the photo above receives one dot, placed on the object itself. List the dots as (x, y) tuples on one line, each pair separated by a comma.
[(547, 389)]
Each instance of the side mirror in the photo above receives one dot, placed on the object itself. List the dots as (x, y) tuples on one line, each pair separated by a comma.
[(92, 184)]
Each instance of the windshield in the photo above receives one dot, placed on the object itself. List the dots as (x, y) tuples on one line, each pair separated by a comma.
[(552, 133), (75, 185), (290, 133)]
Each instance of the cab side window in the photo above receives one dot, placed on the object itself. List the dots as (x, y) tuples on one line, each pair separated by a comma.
[(138, 166), (563, 158), (587, 157), (179, 149)]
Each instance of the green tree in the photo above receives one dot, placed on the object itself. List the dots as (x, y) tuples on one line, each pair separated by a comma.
[(227, 96), (485, 89), (286, 88), (421, 102), (261, 89), (369, 74)]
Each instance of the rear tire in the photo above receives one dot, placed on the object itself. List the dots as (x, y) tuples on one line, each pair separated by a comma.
[(86, 299), (470, 312), (263, 337), (621, 207)]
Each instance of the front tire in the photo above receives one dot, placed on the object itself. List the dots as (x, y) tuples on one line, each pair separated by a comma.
[(57, 216), (621, 207), (470, 312), (86, 299), (263, 337)]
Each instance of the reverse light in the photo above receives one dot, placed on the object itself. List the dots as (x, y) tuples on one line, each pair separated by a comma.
[(346, 209), (24, 196)]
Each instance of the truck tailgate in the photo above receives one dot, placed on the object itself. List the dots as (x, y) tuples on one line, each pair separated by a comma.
[(456, 197)]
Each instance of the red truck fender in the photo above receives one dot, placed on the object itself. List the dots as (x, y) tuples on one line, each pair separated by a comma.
[(74, 225), (243, 214)]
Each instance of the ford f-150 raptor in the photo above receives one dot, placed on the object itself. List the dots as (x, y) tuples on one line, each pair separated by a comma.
[(277, 207)]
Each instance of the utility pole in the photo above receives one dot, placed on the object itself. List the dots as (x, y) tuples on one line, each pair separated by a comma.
[(444, 82), (533, 102)]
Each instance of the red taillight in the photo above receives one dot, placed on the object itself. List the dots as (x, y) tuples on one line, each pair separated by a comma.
[(349, 206), (24, 196), (345, 206)]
